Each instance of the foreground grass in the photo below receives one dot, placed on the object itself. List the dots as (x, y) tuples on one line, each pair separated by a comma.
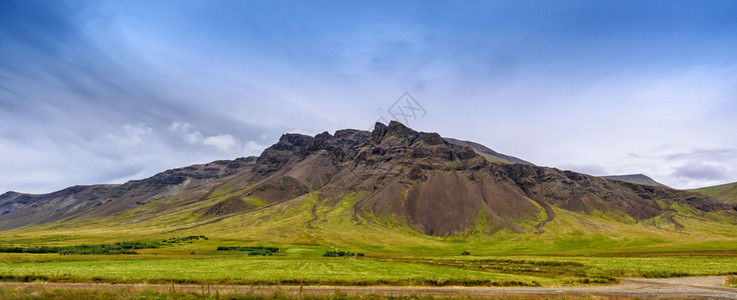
[(256, 270), (397, 271)]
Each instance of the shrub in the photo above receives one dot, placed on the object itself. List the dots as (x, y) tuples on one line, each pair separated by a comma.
[(338, 253), (258, 250)]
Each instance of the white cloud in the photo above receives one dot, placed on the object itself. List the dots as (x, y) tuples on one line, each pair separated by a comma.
[(223, 142), (253, 149), (134, 134), (43, 164), (698, 170), (188, 136)]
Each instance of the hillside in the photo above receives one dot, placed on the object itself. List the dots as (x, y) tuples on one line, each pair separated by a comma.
[(488, 153), (87, 202), (635, 178), (391, 185), (725, 192)]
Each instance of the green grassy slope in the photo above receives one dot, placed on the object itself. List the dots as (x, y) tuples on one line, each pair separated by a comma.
[(724, 192), (328, 222)]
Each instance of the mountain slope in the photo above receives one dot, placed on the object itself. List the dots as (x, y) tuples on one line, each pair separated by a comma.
[(635, 178), (94, 201), (725, 192), (392, 176), (488, 153)]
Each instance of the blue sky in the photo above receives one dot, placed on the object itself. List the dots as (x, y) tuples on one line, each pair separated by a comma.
[(108, 91)]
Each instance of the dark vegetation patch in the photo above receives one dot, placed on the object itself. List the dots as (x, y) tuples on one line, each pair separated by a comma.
[(102, 249), (665, 274), (339, 253), (183, 240), (108, 249), (250, 250), (649, 273)]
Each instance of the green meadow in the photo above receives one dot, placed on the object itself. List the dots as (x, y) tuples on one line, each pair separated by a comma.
[(306, 266)]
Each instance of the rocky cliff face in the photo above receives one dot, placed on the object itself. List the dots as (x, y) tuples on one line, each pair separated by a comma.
[(438, 186)]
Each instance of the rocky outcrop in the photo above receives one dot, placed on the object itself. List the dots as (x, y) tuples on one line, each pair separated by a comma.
[(278, 155)]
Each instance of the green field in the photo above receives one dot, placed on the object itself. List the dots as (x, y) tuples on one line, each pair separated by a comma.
[(255, 270), (517, 270), (305, 265)]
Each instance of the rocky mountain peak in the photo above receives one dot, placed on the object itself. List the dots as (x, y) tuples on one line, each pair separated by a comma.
[(319, 141), (379, 131), (394, 135), (398, 129), (293, 141), (274, 157), (9, 194), (346, 133)]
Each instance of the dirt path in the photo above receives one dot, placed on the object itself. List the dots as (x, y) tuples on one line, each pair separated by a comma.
[(679, 288)]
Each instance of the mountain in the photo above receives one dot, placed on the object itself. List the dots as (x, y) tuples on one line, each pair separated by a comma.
[(85, 202), (487, 153), (304, 188), (635, 178), (725, 192)]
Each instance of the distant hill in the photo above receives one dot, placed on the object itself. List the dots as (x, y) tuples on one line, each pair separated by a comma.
[(724, 192), (635, 178), (488, 153), (356, 184)]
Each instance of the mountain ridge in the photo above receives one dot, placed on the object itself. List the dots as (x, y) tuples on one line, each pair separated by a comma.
[(724, 192), (635, 178), (393, 173)]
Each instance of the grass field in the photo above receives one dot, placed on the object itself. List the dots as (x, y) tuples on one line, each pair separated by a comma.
[(306, 266), (259, 270)]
